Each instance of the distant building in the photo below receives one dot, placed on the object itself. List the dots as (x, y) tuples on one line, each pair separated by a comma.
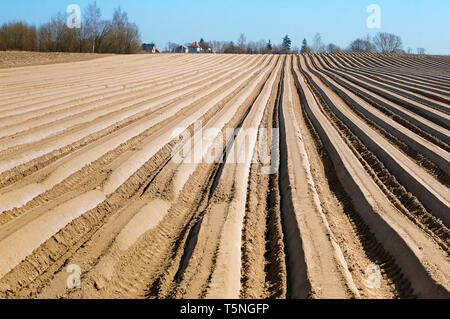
[(194, 48), (150, 48), (180, 49)]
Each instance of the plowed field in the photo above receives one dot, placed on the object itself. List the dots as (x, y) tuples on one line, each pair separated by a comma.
[(334, 181)]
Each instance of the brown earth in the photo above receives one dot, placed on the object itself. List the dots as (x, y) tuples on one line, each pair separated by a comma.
[(13, 59)]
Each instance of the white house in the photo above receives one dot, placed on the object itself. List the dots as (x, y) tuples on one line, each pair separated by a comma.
[(194, 48)]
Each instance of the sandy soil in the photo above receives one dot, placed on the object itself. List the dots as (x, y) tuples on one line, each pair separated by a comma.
[(353, 204)]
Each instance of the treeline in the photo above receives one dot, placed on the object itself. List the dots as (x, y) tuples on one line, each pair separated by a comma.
[(94, 35), (241, 46), (381, 42)]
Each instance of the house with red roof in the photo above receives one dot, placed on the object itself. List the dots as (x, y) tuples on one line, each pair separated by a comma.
[(194, 48)]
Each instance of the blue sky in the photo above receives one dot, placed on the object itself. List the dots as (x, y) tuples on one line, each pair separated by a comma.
[(420, 23)]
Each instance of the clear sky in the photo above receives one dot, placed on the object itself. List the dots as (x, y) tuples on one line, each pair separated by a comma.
[(420, 23)]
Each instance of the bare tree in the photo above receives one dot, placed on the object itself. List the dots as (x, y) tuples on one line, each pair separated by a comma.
[(119, 25), (241, 42), (362, 45), (92, 23), (420, 51), (122, 36), (95, 35), (104, 29), (56, 36), (277, 48), (132, 39), (18, 36), (229, 47), (333, 48), (295, 49), (318, 45), (261, 46), (170, 46), (251, 47), (119, 35), (217, 46), (52, 35), (387, 42)]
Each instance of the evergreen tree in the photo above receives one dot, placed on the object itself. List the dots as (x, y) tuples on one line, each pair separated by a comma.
[(269, 47), (305, 48), (203, 44), (286, 46)]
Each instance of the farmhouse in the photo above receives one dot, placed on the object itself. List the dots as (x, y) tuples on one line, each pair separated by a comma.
[(150, 48), (194, 48)]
